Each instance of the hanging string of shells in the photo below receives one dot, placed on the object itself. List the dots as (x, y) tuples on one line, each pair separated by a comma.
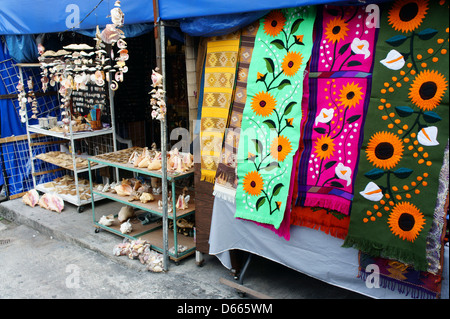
[(77, 66), (24, 98), (158, 96)]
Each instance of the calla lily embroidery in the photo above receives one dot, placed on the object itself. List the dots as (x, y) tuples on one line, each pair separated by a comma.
[(360, 47), (344, 172), (324, 116), (428, 136), (372, 192), (394, 60)]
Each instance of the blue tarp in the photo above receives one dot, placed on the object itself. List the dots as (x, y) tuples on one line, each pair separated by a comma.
[(43, 16)]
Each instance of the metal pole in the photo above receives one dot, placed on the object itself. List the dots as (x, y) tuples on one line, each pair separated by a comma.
[(113, 119), (164, 154)]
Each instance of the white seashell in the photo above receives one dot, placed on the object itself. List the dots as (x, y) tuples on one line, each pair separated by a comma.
[(106, 220), (126, 227)]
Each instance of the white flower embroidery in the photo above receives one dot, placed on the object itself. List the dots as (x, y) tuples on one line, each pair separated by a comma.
[(324, 116), (372, 192), (428, 136), (344, 172), (394, 60), (360, 47)]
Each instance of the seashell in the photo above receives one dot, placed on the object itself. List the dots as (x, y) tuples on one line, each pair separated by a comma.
[(126, 227), (31, 198), (154, 165), (52, 202), (146, 197), (123, 190), (144, 163), (125, 213), (106, 220), (181, 203), (133, 157), (81, 46)]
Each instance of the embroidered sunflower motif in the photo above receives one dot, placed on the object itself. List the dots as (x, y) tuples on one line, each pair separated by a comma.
[(336, 30), (274, 23), (253, 183), (324, 147), (263, 104), (384, 150), (406, 221), (407, 15), (350, 95), (428, 89), (280, 148), (291, 63)]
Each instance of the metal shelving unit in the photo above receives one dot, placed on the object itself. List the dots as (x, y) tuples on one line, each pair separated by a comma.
[(154, 232), (70, 138)]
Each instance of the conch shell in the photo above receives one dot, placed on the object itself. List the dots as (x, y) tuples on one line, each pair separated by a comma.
[(146, 197), (126, 227), (31, 198), (52, 202), (125, 213), (106, 220), (144, 163), (123, 189), (182, 201), (154, 165)]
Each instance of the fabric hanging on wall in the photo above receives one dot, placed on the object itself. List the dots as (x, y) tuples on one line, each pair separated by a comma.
[(270, 130), (220, 72), (226, 179), (285, 226), (340, 85), (404, 141)]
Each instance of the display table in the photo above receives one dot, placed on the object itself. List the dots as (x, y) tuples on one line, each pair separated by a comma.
[(309, 251)]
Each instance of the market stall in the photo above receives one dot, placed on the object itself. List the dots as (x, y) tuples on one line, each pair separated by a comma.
[(322, 136)]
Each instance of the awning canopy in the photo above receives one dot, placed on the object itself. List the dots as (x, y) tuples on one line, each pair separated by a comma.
[(43, 16)]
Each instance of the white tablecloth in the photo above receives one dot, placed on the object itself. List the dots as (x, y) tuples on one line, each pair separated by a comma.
[(309, 251)]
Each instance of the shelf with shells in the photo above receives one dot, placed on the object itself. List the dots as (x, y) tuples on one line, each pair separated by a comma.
[(141, 199)]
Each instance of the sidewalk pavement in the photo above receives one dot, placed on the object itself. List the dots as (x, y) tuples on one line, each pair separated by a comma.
[(76, 234)]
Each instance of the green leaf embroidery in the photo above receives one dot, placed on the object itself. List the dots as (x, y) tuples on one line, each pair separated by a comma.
[(260, 202), (284, 83), (329, 164), (431, 117), (404, 111), (396, 40), (295, 25), (271, 166), (277, 189), (320, 130), (269, 64), (270, 123), (403, 172), (427, 34), (374, 174), (258, 145), (289, 108), (353, 118), (278, 43), (344, 48)]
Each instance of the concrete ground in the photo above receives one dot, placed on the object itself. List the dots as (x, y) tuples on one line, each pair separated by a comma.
[(48, 255)]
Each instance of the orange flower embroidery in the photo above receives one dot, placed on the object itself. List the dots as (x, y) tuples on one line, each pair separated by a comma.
[(274, 23)]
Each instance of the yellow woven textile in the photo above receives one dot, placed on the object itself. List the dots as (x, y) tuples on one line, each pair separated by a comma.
[(220, 73)]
